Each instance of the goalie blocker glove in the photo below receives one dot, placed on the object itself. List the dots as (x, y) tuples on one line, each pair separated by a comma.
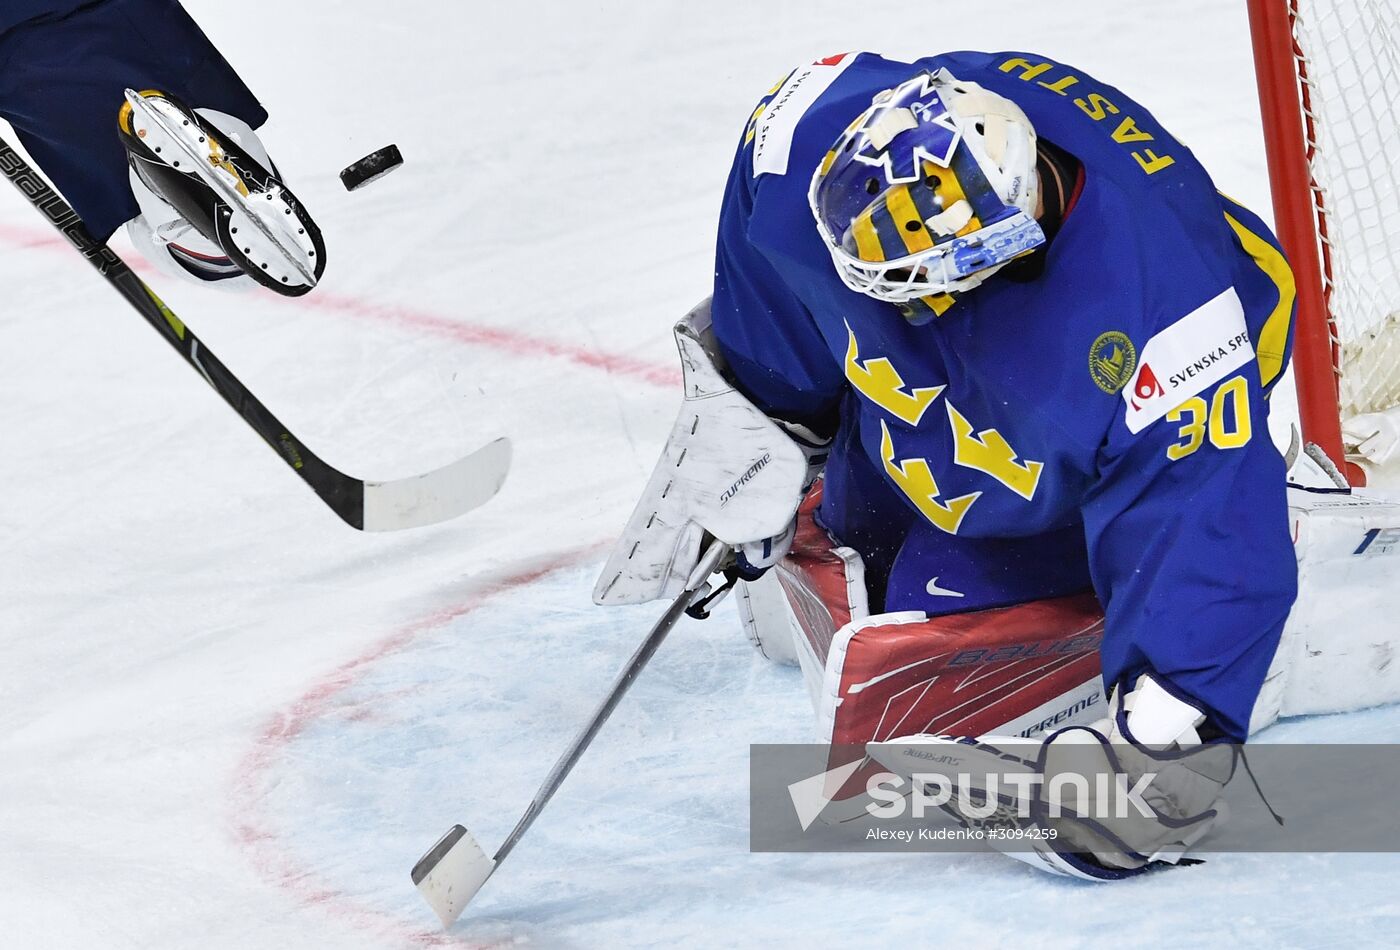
[(213, 206), (752, 559), (727, 472)]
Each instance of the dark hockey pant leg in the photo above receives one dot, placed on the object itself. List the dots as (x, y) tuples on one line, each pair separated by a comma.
[(61, 83)]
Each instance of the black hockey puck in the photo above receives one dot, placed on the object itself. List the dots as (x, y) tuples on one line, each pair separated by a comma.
[(373, 166)]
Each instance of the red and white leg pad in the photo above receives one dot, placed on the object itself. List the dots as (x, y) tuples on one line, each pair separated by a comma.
[(1021, 670)]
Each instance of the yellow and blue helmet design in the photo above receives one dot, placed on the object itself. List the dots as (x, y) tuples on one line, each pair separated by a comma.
[(929, 191)]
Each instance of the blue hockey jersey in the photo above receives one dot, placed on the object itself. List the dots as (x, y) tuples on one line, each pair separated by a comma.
[(1109, 414)]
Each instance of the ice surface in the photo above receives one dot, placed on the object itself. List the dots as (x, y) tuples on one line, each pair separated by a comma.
[(228, 721), (646, 844)]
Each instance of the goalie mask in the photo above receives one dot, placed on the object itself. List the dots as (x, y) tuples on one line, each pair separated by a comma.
[(930, 191)]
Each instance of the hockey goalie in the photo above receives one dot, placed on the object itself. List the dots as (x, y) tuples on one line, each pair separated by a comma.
[(980, 400)]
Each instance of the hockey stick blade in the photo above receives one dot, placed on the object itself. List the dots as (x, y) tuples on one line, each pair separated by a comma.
[(451, 873), (455, 868), (368, 506), (439, 495)]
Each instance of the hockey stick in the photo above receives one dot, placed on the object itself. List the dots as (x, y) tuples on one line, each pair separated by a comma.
[(369, 506), (455, 868)]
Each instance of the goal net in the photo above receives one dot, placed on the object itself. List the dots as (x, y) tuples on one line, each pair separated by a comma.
[(1335, 64), (1350, 69)]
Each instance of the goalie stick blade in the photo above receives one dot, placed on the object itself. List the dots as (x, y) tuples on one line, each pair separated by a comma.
[(454, 869), (439, 495), (451, 873)]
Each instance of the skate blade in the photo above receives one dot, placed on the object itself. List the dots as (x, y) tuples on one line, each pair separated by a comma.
[(265, 230)]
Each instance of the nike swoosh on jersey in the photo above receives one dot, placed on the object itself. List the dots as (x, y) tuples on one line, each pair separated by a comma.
[(937, 591)]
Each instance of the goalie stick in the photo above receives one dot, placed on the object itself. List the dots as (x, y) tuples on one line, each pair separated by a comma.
[(412, 502), (455, 868)]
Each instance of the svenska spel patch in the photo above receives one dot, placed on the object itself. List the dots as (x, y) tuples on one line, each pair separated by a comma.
[(776, 126), (1187, 358)]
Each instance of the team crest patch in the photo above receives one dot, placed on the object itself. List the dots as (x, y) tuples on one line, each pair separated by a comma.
[(1112, 360)]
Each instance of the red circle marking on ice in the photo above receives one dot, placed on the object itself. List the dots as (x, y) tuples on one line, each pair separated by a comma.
[(275, 863)]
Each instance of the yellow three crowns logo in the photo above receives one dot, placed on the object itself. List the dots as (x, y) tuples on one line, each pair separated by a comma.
[(881, 383), (986, 451)]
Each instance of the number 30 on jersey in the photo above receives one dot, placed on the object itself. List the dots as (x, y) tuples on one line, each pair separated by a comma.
[(1224, 420)]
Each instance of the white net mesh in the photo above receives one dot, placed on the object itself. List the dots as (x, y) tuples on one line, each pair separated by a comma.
[(1351, 64)]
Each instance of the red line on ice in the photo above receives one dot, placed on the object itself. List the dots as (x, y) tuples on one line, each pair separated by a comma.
[(497, 338), (424, 322), (277, 864)]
